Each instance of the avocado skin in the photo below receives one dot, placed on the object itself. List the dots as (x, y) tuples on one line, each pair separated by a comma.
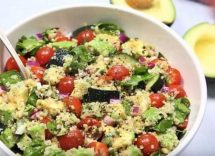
[(169, 24), (166, 23)]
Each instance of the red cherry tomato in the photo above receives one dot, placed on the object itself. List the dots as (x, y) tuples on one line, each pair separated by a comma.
[(12, 65), (38, 72), (48, 134), (60, 37), (66, 85), (89, 122), (148, 143), (183, 125), (99, 148), (174, 76), (118, 72), (177, 90), (74, 104), (92, 130), (43, 55), (157, 100), (73, 139), (85, 36)]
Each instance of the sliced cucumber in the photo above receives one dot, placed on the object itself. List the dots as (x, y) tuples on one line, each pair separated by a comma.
[(156, 83)]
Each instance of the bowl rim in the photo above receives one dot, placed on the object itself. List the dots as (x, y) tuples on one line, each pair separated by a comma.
[(188, 50)]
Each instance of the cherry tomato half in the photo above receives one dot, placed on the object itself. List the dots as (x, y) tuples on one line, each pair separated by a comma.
[(73, 139), (99, 148), (43, 55), (60, 37), (118, 72), (148, 143), (38, 72), (174, 77), (89, 122), (178, 90), (183, 125), (66, 85), (48, 134), (74, 104), (12, 65), (157, 99), (85, 36), (92, 127)]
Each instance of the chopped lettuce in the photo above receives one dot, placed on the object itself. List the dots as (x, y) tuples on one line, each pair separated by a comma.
[(28, 45), (32, 99), (49, 34), (10, 77), (181, 110), (140, 70), (163, 125), (136, 79), (81, 58), (108, 28), (52, 127)]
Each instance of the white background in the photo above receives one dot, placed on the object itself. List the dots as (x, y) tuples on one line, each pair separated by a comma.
[(188, 14)]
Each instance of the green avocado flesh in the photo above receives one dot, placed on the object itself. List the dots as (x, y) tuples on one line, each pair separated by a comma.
[(202, 39), (163, 10)]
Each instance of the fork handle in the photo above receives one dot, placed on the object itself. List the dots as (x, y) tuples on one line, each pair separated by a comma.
[(13, 53)]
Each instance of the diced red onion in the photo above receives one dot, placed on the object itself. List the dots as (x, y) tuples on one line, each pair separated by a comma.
[(151, 65), (123, 38), (2, 90), (62, 96), (32, 63), (35, 114), (135, 110), (39, 36), (115, 101), (165, 89), (109, 121), (142, 60)]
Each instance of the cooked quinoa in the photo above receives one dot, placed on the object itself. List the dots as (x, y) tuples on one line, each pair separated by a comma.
[(97, 92)]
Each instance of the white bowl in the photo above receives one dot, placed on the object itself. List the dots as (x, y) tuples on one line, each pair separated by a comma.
[(136, 25)]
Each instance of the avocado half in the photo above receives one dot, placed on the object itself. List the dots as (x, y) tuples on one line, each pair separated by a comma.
[(163, 10), (201, 38)]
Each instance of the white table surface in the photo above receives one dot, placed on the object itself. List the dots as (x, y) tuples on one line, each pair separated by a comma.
[(188, 14)]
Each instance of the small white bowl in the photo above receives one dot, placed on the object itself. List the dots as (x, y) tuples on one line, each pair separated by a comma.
[(135, 24)]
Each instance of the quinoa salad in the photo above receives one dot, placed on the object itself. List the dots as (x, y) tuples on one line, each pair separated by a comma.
[(92, 92)]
